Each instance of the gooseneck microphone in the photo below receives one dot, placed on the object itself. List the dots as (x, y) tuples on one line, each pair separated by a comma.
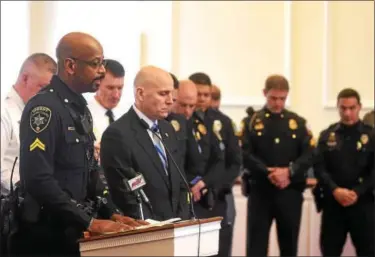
[(155, 132)]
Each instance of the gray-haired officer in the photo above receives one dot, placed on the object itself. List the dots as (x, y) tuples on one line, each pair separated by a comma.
[(36, 72), (58, 171), (344, 166)]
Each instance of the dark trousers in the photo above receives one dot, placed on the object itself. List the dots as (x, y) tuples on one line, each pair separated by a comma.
[(338, 221), (44, 239), (285, 206), (224, 207)]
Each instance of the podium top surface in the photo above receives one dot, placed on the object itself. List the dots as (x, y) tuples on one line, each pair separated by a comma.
[(179, 224)]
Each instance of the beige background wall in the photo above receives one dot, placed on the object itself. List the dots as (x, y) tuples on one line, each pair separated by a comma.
[(321, 47)]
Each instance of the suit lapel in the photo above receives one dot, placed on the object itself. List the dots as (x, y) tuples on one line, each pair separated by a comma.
[(173, 173), (145, 141)]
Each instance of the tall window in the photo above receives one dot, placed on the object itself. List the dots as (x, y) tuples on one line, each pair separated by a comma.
[(14, 41)]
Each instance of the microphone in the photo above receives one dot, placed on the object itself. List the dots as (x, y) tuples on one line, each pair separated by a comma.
[(145, 125), (134, 182)]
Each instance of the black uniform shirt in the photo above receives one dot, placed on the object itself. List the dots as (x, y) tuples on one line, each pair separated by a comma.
[(345, 158), (223, 138), (277, 140), (56, 155), (191, 152)]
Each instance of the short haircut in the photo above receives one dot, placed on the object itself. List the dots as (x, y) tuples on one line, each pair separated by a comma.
[(41, 61), (115, 68), (250, 111), (200, 78), (175, 81), (216, 94), (348, 93), (277, 82)]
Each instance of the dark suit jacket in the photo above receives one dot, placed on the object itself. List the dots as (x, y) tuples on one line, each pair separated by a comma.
[(126, 143)]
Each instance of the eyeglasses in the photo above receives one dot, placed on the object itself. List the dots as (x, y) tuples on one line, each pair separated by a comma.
[(96, 63)]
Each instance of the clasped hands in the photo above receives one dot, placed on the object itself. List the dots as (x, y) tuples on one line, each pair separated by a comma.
[(117, 223), (198, 190), (280, 177), (345, 197)]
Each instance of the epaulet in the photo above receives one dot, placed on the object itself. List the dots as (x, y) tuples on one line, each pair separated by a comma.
[(295, 116), (331, 128)]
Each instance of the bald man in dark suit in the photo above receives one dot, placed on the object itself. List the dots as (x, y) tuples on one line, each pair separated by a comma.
[(129, 143)]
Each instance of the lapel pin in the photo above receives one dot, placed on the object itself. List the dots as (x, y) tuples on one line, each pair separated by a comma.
[(166, 134)]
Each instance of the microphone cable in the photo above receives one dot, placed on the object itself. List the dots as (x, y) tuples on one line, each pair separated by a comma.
[(190, 193)]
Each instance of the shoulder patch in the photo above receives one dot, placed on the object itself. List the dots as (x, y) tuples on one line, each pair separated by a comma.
[(202, 129), (176, 125), (40, 117)]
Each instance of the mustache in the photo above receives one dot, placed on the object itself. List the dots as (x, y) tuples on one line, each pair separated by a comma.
[(99, 78)]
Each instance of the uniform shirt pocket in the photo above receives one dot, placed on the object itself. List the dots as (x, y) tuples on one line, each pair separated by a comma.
[(74, 153)]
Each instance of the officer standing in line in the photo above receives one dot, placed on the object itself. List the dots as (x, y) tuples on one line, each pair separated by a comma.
[(277, 149), (222, 128), (203, 148), (344, 166), (246, 176), (179, 123), (58, 171)]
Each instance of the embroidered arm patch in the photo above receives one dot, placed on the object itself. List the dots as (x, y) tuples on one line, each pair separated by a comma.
[(40, 117)]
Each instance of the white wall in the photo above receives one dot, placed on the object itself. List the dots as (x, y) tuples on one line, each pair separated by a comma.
[(14, 41), (321, 47)]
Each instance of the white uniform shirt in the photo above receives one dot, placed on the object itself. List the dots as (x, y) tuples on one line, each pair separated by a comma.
[(11, 112), (100, 119)]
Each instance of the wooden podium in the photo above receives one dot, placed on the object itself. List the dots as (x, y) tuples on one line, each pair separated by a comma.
[(178, 239)]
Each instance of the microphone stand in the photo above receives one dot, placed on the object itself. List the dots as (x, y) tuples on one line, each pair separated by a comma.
[(191, 205), (140, 207)]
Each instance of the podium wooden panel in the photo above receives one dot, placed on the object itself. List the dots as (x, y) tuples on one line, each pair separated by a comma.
[(177, 239)]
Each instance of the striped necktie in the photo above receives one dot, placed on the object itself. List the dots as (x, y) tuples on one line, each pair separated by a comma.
[(159, 147)]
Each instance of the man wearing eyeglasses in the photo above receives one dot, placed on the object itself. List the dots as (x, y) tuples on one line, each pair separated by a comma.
[(63, 196)]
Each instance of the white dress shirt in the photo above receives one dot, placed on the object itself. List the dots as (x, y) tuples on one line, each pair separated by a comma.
[(150, 123), (11, 112), (100, 119)]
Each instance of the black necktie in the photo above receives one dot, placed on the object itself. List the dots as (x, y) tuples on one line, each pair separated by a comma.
[(111, 118)]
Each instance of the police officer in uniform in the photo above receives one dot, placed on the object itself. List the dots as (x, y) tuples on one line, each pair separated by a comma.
[(344, 166), (222, 128), (204, 159), (63, 193), (245, 174), (277, 149), (179, 123)]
